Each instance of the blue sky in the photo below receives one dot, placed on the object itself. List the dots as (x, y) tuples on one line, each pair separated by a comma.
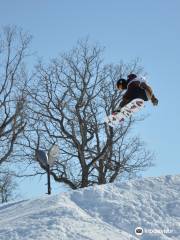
[(128, 29)]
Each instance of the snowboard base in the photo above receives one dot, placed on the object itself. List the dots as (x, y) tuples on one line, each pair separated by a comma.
[(132, 107)]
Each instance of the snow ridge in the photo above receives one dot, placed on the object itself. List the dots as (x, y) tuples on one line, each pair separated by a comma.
[(106, 212)]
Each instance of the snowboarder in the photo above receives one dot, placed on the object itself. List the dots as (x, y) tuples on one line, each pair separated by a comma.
[(136, 87)]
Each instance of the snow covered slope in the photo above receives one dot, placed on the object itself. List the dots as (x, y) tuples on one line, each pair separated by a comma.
[(107, 212)]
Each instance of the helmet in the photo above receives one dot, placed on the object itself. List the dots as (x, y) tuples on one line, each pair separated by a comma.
[(122, 82), (131, 76)]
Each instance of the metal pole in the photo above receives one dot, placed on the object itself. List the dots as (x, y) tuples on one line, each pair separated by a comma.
[(49, 179)]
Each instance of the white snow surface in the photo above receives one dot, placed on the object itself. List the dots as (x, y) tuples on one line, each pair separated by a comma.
[(106, 212)]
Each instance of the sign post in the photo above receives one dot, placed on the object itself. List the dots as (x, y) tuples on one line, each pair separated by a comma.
[(49, 179), (48, 160)]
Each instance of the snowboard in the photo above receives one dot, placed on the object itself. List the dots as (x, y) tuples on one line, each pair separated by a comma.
[(116, 118)]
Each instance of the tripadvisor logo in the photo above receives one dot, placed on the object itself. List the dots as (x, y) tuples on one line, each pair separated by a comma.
[(139, 231)]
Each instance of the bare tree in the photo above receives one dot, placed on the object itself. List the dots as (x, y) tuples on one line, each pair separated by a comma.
[(74, 93), (13, 50), (8, 186)]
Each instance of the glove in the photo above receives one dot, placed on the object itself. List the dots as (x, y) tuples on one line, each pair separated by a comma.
[(154, 100)]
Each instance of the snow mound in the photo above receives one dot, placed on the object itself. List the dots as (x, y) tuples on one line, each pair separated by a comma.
[(106, 212)]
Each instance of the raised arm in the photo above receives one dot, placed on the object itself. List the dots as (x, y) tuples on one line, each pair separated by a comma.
[(149, 93)]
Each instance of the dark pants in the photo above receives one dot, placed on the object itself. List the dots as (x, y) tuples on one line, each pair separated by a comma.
[(133, 93)]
